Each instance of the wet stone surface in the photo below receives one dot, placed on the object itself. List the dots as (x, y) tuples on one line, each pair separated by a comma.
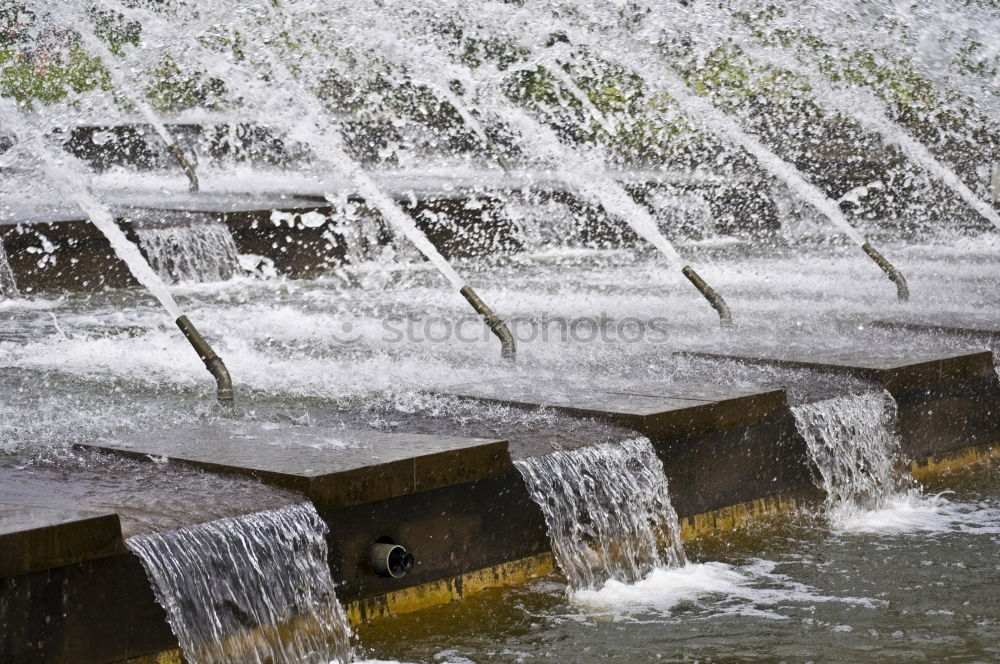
[(968, 325), (673, 410), (145, 496), (334, 467), (34, 538), (901, 371)]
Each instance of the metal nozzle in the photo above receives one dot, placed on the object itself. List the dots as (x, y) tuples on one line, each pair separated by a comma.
[(508, 349), (214, 363), (498, 155), (902, 290), (186, 166), (725, 318)]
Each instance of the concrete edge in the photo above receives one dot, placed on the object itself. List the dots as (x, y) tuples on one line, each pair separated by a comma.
[(521, 571), (444, 591)]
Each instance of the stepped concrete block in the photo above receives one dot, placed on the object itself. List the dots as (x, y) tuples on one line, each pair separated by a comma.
[(457, 503), (962, 325), (947, 400), (335, 468), (719, 445), (35, 538)]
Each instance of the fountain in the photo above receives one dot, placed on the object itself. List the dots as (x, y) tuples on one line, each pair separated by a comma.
[(73, 187), (350, 156)]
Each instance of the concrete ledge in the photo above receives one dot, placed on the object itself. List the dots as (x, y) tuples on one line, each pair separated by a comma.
[(954, 460), (104, 610), (37, 538), (719, 446), (674, 412), (897, 372), (962, 325), (91, 612), (451, 589), (334, 468), (946, 400)]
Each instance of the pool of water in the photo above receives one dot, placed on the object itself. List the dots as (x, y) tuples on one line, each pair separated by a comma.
[(377, 337)]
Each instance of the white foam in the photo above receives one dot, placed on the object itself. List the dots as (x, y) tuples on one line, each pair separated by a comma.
[(721, 589), (913, 512)]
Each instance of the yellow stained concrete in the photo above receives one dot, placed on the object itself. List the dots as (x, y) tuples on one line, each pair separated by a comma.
[(941, 463)]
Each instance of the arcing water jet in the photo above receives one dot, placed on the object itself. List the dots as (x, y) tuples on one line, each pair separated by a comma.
[(314, 129), (702, 111), (82, 24), (586, 174), (68, 180)]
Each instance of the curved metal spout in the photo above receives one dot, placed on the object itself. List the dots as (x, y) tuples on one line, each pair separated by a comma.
[(214, 363), (902, 290), (186, 166), (508, 349), (498, 155), (725, 317)]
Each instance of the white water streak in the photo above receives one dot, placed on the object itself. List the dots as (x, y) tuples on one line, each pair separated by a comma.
[(254, 589), (66, 175), (608, 511), (198, 253), (853, 445), (871, 114)]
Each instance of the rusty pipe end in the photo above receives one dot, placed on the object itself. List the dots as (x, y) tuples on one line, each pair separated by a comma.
[(185, 165), (224, 383), (719, 304), (508, 347), (902, 290)]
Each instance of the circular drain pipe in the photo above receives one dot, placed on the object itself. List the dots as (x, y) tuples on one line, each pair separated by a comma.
[(390, 559)]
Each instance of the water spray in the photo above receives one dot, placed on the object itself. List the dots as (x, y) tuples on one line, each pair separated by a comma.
[(871, 113), (586, 175), (69, 181), (328, 145), (94, 43), (703, 112)]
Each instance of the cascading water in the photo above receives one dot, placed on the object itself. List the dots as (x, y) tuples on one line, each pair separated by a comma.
[(608, 511), (254, 589), (8, 285), (198, 253), (854, 448)]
